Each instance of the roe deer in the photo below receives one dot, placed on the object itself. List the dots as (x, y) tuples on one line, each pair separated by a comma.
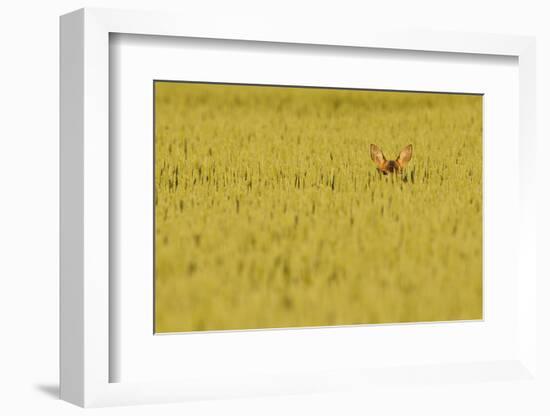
[(390, 166)]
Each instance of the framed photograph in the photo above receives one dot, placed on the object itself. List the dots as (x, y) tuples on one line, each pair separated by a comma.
[(275, 212), (269, 214)]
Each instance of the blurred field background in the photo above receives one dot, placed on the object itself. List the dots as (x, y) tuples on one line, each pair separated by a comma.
[(270, 213)]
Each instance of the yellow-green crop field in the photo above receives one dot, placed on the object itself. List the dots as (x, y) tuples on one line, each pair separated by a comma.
[(269, 211)]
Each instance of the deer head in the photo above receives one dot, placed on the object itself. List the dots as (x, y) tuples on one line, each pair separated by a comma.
[(386, 166)]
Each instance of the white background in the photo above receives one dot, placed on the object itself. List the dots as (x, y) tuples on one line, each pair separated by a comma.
[(29, 203)]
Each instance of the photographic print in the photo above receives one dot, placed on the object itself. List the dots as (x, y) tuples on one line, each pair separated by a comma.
[(282, 207)]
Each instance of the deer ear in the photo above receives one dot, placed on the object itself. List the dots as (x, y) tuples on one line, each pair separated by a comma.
[(376, 155), (405, 156)]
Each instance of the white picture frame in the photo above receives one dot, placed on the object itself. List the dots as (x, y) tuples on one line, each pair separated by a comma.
[(85, 221)]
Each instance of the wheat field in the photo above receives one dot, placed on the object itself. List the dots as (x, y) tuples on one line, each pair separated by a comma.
[(269, 212)]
